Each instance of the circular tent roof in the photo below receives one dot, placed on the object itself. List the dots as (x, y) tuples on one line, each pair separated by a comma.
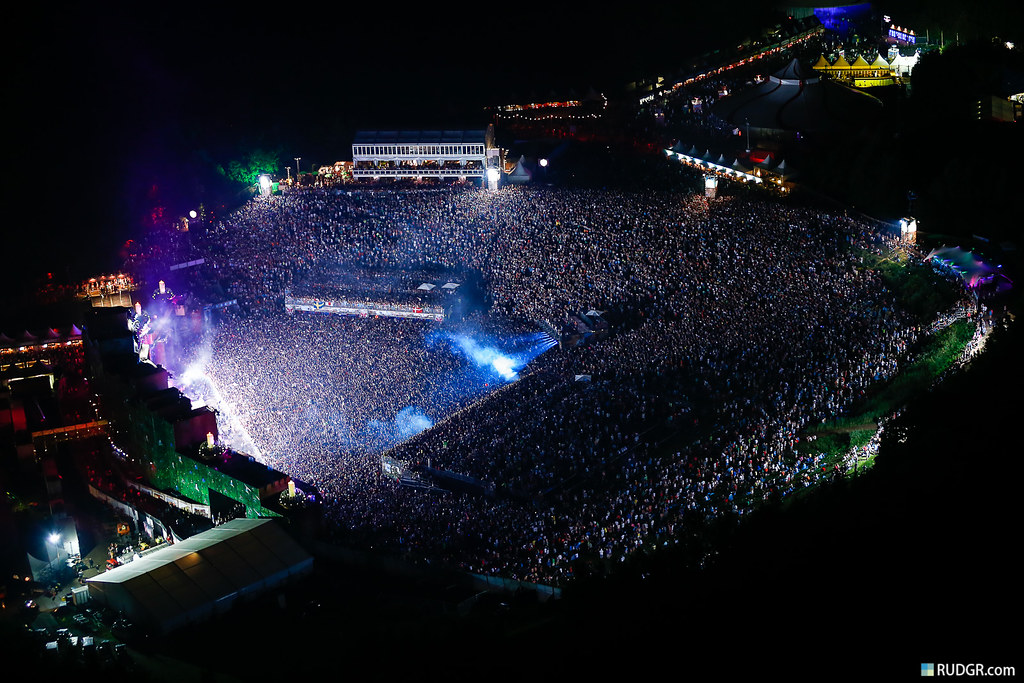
[(794, 99)]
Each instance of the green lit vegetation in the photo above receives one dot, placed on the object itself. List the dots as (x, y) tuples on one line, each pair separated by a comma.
[(935, 356), (923, 292), (918, 288), (247, 170)]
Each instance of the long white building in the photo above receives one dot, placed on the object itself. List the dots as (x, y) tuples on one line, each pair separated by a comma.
[(423, 153)]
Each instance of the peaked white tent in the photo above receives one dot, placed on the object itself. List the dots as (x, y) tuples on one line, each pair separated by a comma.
[(520, 174)]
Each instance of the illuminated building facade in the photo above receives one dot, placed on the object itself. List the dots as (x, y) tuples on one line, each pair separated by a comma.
[(339, 171), (422, 153)]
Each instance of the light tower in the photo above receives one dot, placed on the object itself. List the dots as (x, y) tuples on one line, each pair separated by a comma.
[(908, 229), (710, 185)]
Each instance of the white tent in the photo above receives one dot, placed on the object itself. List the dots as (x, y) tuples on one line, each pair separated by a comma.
[(202, 576), (520, 174)]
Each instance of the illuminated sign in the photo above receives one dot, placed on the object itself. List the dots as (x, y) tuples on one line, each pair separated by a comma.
[(906, 36)]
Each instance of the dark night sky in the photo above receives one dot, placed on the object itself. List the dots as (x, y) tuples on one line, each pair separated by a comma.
[(110, 101)]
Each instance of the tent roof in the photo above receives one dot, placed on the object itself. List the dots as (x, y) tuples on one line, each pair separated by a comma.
[(521, 171), (176, 581), (795, 71), (821, 62), (881, 63), (841, 62), (790, 100), (48, 334), (859, 62)]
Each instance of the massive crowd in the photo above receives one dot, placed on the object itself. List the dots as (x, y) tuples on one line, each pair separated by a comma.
[(737, 324)]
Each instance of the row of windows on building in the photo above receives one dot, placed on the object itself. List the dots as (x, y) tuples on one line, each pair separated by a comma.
[(417, 150)]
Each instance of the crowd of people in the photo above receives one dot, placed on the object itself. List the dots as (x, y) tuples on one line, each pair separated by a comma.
[(305, 387), (737, 324)]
